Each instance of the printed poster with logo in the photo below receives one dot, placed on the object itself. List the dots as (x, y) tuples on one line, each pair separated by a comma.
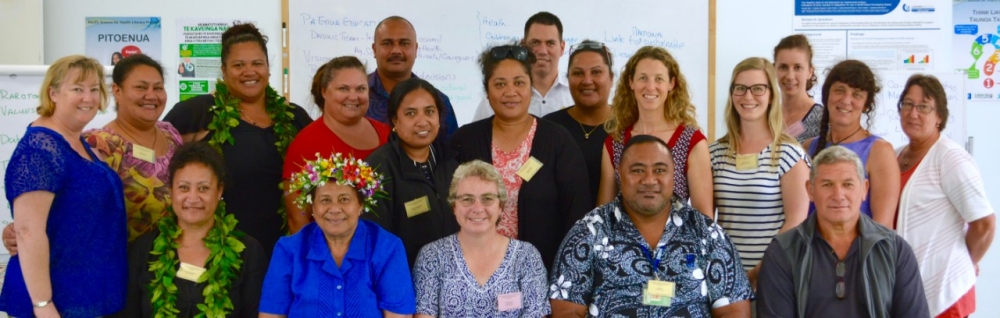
[(888, 35), (110, 39), (199, 61), (976, 45)]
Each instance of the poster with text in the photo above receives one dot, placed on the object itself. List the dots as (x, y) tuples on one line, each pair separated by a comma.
[(888, 35), (976, 45), (110, 39), (199, 61)]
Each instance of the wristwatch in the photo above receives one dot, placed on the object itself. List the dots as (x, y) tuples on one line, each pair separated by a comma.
[(42, 303)]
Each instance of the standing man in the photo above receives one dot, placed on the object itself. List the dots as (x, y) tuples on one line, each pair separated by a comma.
[(646, 254), (543, 35), (395, 51), (838, 262)]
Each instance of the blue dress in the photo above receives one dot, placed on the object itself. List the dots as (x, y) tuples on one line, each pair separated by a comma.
[(862, 148), (86, 227), (303, 280)]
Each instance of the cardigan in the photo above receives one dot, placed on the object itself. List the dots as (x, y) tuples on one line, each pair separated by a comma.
[(944, 193), (557, 195), (405, 182)]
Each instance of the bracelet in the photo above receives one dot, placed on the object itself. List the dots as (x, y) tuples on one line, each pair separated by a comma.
[(42, 303)]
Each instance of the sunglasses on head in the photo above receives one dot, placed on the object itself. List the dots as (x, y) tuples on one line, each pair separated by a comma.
[(597, 46), (516, 52)]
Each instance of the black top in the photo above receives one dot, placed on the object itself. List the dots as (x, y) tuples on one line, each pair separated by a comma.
[(244, 292), (557, 195), (253, 167), (591, 147), (776, 295), (406, 182)]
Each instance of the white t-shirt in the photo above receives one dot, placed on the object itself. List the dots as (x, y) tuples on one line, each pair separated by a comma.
[(557, 98)]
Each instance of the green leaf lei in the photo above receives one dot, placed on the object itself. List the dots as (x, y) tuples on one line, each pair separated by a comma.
[(227, 116), (222, 266)]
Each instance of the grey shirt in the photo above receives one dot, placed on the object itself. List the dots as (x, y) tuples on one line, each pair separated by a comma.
[(776, 292)]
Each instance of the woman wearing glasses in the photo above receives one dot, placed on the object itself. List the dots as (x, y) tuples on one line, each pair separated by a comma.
[(848, 92), (652, 99), (542, 168), (478, 272), (757, 169), (943, 204), (590, 79)]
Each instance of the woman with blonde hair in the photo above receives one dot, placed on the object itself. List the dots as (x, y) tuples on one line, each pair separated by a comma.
[(758, 170), (652, 98), (68, 205)]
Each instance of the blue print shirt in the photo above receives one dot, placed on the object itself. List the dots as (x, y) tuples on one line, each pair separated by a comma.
[(304, 281)]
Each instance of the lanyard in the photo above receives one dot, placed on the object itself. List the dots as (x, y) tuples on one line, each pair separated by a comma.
[(655, 259)]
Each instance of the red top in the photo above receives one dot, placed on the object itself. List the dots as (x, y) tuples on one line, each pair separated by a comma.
[(318, 138), (681, 142)]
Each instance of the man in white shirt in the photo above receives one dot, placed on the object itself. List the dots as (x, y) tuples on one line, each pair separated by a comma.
[(543, 34)]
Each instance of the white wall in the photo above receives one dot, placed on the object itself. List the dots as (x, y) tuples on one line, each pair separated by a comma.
[(747, 29), (23, 47), (64, 20)]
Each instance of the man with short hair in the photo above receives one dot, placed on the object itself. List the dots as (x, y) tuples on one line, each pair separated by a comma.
[(647, 254), (838, 262), (395, 49), (543, 35)]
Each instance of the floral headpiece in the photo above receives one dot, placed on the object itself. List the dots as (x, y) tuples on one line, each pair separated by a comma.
[(343, 171)]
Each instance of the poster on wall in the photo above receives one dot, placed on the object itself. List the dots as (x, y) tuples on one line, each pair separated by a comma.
[(976, 45), (199, 61), (110, 39), (888, 35)]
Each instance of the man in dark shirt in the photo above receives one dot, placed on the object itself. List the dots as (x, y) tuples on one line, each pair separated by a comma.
[(395, 51), (839, 263)]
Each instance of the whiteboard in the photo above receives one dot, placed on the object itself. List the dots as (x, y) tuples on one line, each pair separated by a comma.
[(451, 34), (19, 88)]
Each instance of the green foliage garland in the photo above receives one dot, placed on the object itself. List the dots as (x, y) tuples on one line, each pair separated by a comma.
[(222, 266)]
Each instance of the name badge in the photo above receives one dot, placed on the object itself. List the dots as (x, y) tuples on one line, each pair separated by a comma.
[(190, 272), (143, 153), (529, 169), (746, 162), (511, 301), (417, 206), (658, 293)]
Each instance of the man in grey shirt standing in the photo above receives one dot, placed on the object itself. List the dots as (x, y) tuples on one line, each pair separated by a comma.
[(839, 263)]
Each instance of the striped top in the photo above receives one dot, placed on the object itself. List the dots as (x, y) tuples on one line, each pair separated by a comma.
[(749, 202)]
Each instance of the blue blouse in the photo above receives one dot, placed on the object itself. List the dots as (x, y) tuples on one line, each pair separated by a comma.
[(304, 281), (86, 227)]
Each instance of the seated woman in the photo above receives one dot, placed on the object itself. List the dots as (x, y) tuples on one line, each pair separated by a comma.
[(542, 168), (340, 89), (196, 257), (339, 265), (478, 272), (418, 171)]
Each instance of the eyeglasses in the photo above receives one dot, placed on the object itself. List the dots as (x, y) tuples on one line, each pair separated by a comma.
[(905, 107), (597, 46), (756, 90), (841, 289), (468, 200), (517, 52)]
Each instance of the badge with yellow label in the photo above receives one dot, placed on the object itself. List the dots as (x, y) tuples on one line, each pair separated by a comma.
[(529, 169), (190, 272), (746, 162), (658, 293), (143, 153), (417, 206)]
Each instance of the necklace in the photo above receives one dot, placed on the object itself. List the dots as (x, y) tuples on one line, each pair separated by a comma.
[(156, 134), (845, 138), (227, 113), (222, 266), (248, 119), (586, 134)]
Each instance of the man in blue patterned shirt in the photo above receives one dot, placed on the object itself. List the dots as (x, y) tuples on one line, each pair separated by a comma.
[(647, 254)]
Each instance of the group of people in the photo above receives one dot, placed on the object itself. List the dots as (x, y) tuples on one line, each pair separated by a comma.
[(239, 204)]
